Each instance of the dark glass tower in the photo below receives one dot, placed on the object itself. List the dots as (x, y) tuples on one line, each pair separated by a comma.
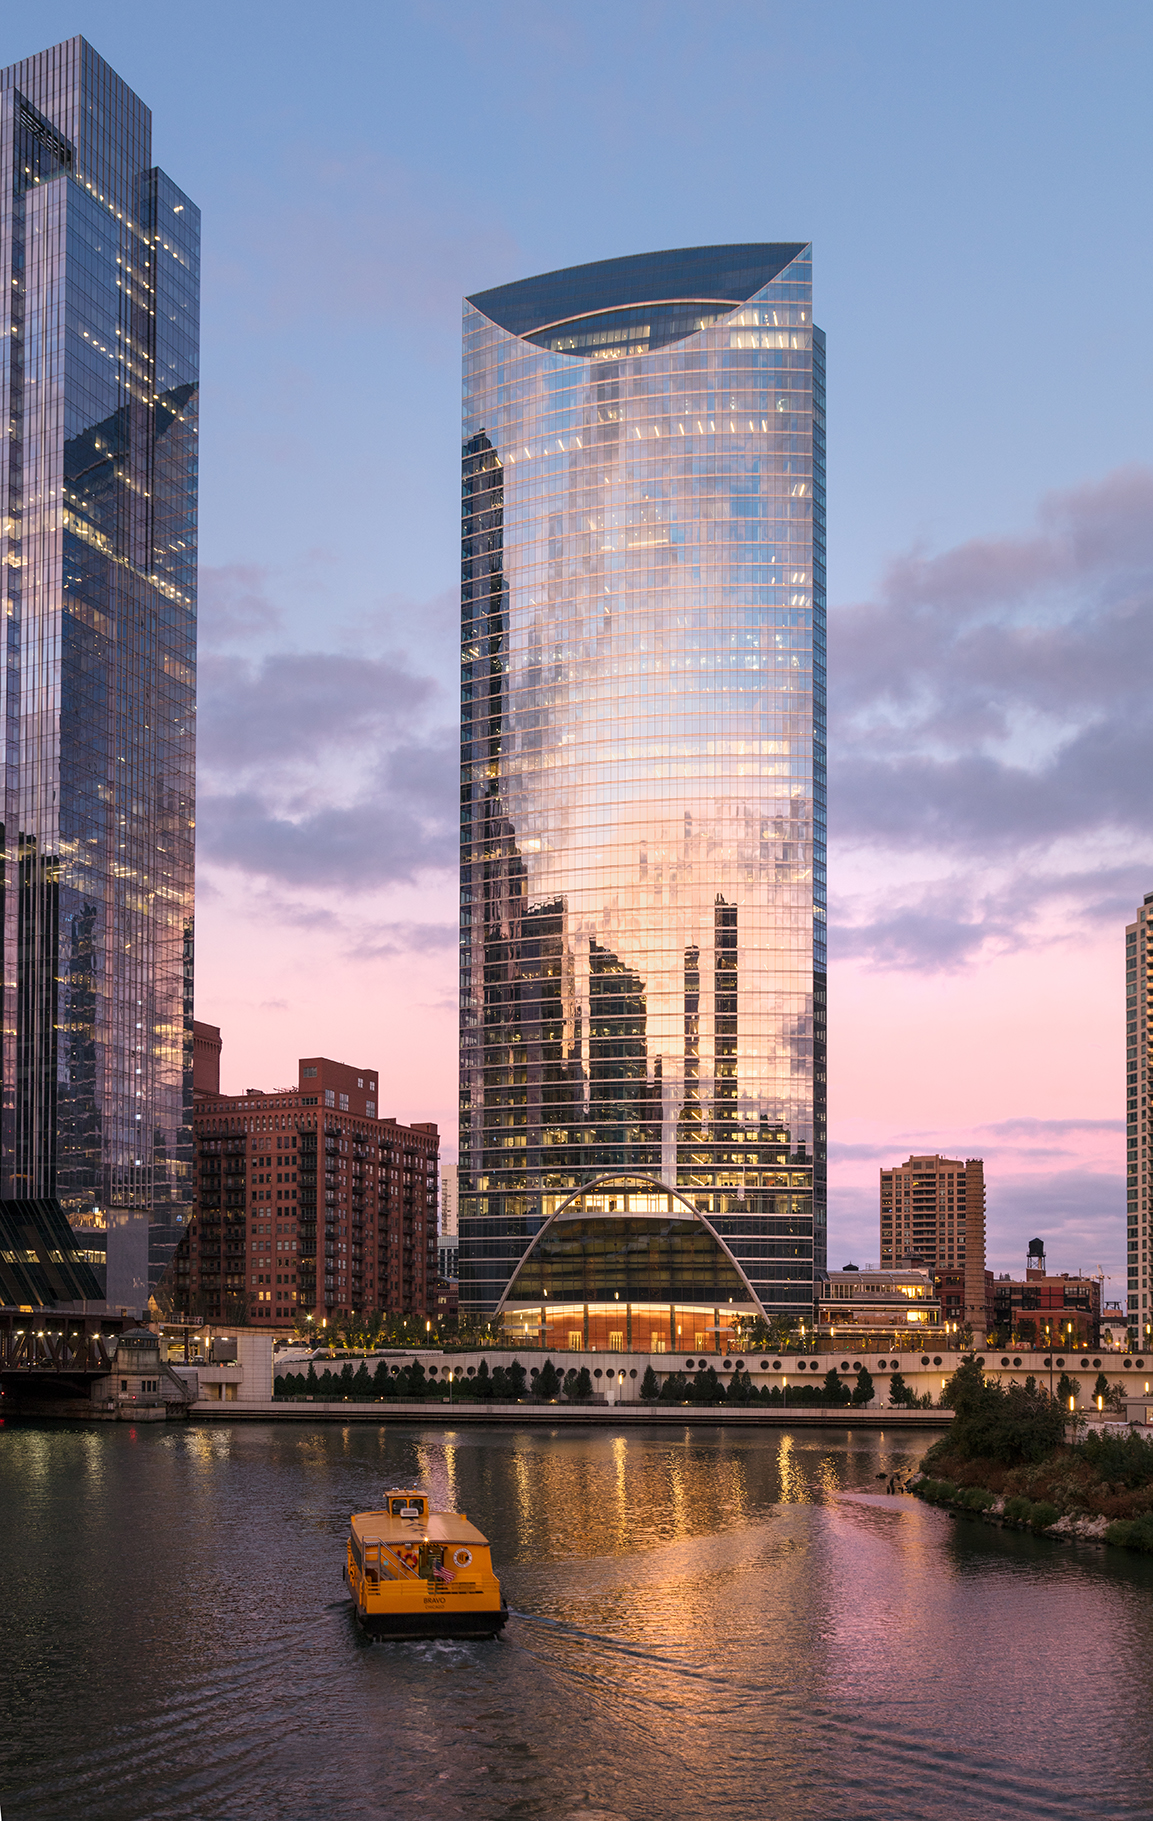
[(99, 270), (643, 764)]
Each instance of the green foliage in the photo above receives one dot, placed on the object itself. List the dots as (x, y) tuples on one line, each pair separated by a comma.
[(382, 1379), (346, 1377), (675, 1389), (1027, 1332), (583, 1389), (1018, 1510), (836, 1389), (977, 1498), (482, 1385), (1124, 1459), (1101, 1386), (742, 1390), (362, 1385), (863, 1394), (517, 1379), (1009, 1423), (650, 1390), (1067, 1388), (548, 1382), (1133, 1533), (755, 1334), (1043, 1515)]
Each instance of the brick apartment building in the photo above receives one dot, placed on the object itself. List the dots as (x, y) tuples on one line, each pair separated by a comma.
[(1054, 1311), (306, 1202)]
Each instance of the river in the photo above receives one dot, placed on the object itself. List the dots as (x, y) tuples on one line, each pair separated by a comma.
[(722, 1624)]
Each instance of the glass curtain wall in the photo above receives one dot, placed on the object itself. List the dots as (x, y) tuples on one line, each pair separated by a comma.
[(642, 764), (99, 262)]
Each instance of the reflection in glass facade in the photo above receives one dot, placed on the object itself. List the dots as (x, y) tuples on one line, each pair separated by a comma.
[(642, 755), (99, 265)]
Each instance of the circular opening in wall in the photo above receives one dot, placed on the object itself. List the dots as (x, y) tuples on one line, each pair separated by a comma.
[(728, 1365), (844, 1365), (1060, 1362), (1096, 1362), (936, 1359), (776, 1365), (1139, 1363), (1084, 1363), (1016, 1362), (633, 1373), (857, 1366), (924, 1359), (765, 1365), (596, 1372), (1004, 1359)]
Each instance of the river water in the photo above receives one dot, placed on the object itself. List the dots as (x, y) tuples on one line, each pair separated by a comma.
[(724, 1624)]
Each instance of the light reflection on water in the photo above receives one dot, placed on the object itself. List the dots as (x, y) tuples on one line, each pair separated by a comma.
[(722, 1624)]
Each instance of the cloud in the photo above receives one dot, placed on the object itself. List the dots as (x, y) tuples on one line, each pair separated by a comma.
[(293, 706), (990, 719), (234, 605), (323, 771)]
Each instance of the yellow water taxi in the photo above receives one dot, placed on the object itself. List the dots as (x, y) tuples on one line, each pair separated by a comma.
[(418, 1573)]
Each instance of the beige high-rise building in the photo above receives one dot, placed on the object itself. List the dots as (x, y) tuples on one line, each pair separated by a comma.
[(933, 1214)]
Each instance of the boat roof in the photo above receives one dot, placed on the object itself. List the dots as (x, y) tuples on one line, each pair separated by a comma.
[(438, 1527)]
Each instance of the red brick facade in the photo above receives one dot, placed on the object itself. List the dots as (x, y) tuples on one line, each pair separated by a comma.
[(307, 1202)]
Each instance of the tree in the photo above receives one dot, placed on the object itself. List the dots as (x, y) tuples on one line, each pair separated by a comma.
[(1027, 1332), (381, 1379), (311, 1386), (417, 1382), (901, 1394), (650, 1390), (584, 1386), (742, 1389), (863, 1394), (706, 1386), (835, 1389), (1101, 1388), (482, 1384), (548, 1381), (1067, 1388), (362, 1386), (500, 1392), (517, 1381)]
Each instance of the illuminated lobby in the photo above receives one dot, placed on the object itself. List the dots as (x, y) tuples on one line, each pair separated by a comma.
[(626, 1266)]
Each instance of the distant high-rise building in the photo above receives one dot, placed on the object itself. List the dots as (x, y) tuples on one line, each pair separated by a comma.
[(643, 796), (448, 1207), (308, 1203), (99, 337), (1138, 1124), (933, 1214)]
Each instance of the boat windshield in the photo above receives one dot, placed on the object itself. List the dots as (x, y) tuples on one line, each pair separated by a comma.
[(406, 1508)]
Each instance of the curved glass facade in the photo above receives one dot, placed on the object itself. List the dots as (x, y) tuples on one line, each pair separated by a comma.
[(642, 754)]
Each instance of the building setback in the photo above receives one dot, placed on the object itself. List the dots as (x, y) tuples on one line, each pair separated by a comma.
[(99, 385), (307, 1203), (1138, 1047), (642, 1032), (932, 1213)]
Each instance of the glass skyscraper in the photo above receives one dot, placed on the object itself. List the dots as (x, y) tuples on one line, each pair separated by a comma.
[(99, 269), (643, 797)]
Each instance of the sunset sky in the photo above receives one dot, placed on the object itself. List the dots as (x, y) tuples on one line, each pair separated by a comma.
[(975, 181)]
